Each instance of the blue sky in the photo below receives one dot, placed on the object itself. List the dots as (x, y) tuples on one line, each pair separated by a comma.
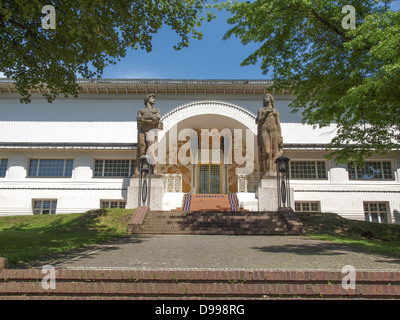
[(210, 58)]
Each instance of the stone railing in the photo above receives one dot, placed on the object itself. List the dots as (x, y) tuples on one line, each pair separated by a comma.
[(172, 182)]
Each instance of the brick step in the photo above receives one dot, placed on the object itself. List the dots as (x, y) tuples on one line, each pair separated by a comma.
[(260, 213), (192, 284), (233, 222), (155, 227), (180, 209), (219, 215), (211, 230), (161, 228), (234, 213), (237, 228), (205, 218), (226, 220), (216, 231)]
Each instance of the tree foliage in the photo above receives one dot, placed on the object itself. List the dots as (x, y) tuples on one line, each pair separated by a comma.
[(89, 35), (350, 77)]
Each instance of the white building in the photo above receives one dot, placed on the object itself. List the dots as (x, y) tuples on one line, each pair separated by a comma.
[(77, 154)]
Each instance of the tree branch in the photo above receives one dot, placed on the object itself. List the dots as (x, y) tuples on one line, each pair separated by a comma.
[(330, 26)]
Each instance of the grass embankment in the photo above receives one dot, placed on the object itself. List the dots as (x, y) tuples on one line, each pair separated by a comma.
[(26, 238), (381, 238)]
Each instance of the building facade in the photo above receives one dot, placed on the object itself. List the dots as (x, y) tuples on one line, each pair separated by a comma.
[(77, 154)]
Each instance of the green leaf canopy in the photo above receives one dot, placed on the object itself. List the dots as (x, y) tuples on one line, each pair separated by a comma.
[(350, 77), (88, 36)]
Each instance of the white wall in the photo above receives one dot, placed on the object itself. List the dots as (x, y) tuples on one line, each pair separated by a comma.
[(121, 108), (96, 119), (79, 193), (68, 131), (343, 196)]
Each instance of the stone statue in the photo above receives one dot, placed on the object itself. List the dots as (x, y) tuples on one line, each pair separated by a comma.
[(148, 119), (269, 139)]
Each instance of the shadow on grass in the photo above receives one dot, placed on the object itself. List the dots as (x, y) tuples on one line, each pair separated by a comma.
[(26, 238)]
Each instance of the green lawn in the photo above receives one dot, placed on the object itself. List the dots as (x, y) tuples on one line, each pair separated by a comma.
[(26, 238), (382, 238)]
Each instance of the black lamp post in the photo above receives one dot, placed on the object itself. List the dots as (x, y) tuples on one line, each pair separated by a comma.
[(282, 168), (144, 181)]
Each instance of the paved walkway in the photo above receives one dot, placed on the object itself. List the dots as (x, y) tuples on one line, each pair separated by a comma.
[(223, 252)]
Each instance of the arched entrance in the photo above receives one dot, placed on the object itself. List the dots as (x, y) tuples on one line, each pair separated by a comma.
[(201, 146)]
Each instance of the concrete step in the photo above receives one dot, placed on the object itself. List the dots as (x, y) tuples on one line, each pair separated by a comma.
[(197, 284), (211, 219), (218, 223), (214, 215), (216, 231), (211, 226), (214, 225), (215, 222)]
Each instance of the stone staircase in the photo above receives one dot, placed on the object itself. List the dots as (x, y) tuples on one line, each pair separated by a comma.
[(24, 284), (145, 221), (213, 214)]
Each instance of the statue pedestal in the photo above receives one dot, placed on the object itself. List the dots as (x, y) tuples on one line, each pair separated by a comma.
[(267, 194), (156, 193)]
